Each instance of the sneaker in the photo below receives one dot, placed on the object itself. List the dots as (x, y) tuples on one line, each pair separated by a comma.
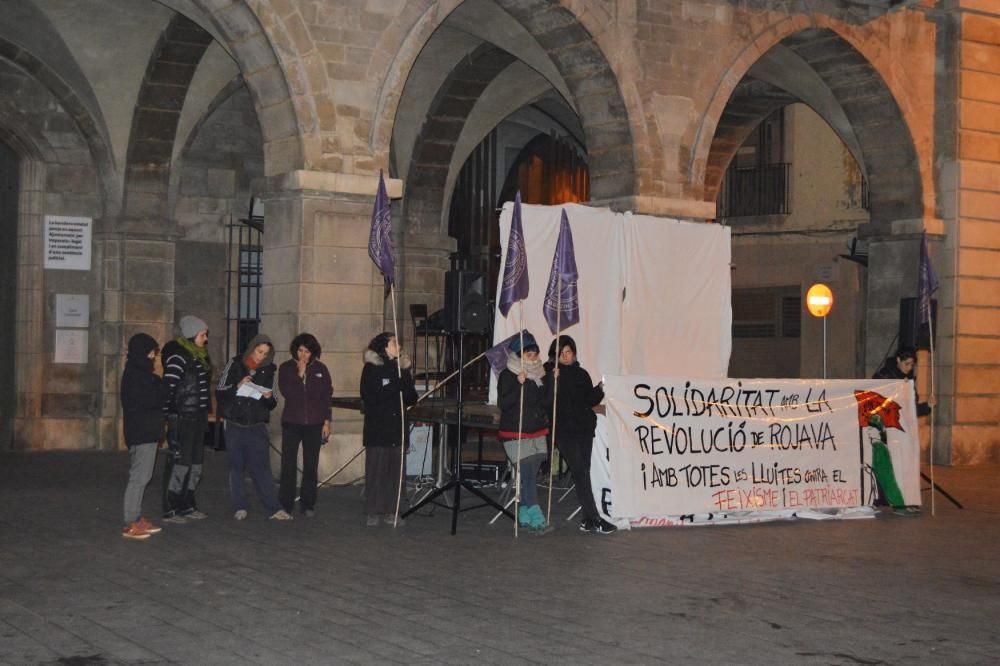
[(195, 514), (524, 516), (281, 514), (134, 531), (174, 518), (907, 511), (587, 525), (371, 521), (604, 527), (240, 515), (387, 519), (536, 517), (148, 526)]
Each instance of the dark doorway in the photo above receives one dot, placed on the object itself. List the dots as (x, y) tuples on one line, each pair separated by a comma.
[(8, 288)]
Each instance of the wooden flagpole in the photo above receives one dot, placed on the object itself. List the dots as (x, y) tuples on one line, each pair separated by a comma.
[(555, 393), (930, 447), (402, 410), (520, 423)]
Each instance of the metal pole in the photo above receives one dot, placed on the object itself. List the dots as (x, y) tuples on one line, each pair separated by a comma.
[(824, 347)]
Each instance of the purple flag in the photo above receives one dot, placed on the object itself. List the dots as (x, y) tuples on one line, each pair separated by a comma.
[(927, 284), (515, 268), (380, 240), (562, 306), (498, 353)]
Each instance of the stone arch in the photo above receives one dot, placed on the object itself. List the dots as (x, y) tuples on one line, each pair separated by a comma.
[(427, 177), (593, 86), (157, 112), (89, 128), (269, 61), (882, 134)]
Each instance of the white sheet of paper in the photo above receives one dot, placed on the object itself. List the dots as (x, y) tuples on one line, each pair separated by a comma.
[(251, 390)]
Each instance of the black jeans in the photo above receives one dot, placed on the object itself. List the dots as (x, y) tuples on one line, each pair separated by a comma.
[(576, 450), (311, 438), (185, 455)]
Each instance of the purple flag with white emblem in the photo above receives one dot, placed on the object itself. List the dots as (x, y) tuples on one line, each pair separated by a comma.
[(562, 305), (498, 353), (515, 268), (380, 240), (927, 284)]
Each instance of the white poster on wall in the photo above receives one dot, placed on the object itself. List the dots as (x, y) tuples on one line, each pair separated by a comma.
[(72, 310), (67, 243), (71, 346)]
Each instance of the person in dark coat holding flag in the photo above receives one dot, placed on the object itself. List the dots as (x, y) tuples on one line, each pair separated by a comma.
[(575, 424), (524, 438), (384, 438)]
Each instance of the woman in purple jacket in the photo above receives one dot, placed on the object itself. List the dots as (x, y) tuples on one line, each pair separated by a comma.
[(307, 388)]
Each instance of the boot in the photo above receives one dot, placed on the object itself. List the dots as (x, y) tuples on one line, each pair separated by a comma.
[(537, 518), (524, 517)]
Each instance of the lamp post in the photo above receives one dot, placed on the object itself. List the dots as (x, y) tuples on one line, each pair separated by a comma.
[(819, 301)]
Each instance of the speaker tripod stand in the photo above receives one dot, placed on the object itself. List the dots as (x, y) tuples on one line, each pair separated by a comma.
[(457, 483)]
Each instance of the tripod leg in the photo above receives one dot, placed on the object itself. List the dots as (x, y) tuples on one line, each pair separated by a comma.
[(571, 516), (941, 490), (456, 508)]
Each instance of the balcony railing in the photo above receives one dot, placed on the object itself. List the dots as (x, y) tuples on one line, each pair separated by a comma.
[(754, 191)]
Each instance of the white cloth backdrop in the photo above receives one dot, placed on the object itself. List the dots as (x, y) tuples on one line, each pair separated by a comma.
[(676, 318)]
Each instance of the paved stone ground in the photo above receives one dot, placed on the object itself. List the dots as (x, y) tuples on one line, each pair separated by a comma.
[(327, 590)]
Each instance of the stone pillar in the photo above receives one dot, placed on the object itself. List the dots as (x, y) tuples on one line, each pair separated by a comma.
[(319, 279), (969, 260)]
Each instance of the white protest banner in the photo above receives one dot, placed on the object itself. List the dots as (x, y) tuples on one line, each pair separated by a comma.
[(678, 447)]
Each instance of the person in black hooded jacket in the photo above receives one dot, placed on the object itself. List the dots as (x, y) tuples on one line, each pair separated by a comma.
[(903, 365), (245, 394), (575, 424), (381, 383), (142, 396)]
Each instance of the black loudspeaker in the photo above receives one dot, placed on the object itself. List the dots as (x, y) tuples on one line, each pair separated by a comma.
[(465, 304), (911, 332)]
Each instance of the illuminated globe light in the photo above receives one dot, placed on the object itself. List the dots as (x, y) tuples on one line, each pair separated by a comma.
[(819, 300)]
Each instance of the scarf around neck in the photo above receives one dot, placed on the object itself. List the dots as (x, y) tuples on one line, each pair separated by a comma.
[(534, 370), (199, 354)]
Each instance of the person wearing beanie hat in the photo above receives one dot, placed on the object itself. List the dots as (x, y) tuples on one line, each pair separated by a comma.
[(191, 326), (142, 395), (524, 438), (246, 397), (187, 374)]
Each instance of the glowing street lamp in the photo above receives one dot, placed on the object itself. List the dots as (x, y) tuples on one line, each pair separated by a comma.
[(819, 302)]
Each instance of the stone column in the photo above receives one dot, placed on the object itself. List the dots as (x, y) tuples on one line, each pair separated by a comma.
[(319, 279)]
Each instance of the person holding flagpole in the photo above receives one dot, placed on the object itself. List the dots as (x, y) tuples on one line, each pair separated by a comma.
[(382, 253), (524, 424), (577, 423), (386, 383), (514, 289)]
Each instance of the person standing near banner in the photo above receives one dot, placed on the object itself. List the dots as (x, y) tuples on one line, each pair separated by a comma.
[(527, 445), (903, 365), (577, 423), (305, 384), (187, 373), (385, 376)]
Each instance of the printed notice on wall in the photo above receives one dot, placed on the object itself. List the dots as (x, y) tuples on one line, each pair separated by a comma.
[(67, 243), (72, 310), (71, 346)]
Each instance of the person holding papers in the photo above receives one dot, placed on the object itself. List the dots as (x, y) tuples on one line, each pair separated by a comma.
[(246, 397)]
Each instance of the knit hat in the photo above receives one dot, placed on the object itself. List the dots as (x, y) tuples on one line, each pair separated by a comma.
[(192, 326), (529, 343)]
